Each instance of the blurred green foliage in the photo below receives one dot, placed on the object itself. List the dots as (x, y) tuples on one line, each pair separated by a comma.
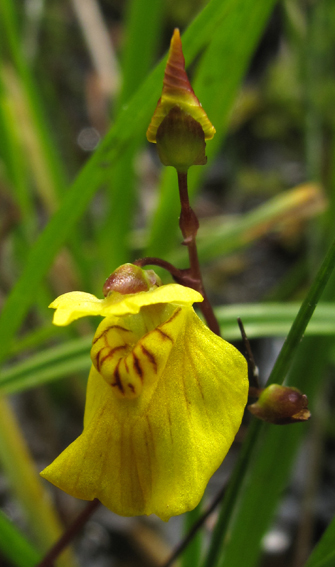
[(81, 192)]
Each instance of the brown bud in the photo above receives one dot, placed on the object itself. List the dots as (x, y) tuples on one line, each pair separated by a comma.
[(129, 278), (281, 405)]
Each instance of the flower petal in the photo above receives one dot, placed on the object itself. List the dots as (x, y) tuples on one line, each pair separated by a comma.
[(156, 453), (76, 304), (73, 305), (132, 303)]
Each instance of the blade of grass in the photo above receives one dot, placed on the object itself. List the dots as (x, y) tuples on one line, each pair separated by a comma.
[(132, 119), (143, 28), (219, 75), (242, 489), (26, 484), (14, 546), (324, 553), (192, 555), (14, 160), (12, 41)]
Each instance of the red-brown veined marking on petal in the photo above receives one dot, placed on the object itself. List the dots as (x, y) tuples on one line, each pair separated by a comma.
[(182, 381), (131, 387), (164, 335), (111, 353), (117, 377), (135, 468), (149, 456), (151, 434), (88, 447), (150, 356), (95, 340), (173, 316), (195, 370), (97, 359), (170, 424), (137, 366)]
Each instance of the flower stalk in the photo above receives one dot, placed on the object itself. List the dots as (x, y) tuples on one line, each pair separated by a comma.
[(189, 225)]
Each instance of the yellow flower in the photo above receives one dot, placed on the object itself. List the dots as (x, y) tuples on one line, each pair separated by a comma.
[(165, 398)]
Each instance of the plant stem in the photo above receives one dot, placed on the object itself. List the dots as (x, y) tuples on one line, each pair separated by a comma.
[(69, 534), (189, 225), (194, 529)]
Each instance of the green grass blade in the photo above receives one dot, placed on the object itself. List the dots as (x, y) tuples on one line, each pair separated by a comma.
[(271, 462), (245, 492), (14, 546), (191, 556), (27, 486), (324, 553), (12, 42), (143, 28), (220, 73), (53, 363), (132, 119)]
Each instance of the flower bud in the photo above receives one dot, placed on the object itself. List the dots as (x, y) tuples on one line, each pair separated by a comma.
[(129, 278), (281, 405), (179, 125)]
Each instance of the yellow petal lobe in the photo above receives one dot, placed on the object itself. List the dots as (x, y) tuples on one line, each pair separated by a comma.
[(156, 452), (76, 304), (177, 91), (73, 305)]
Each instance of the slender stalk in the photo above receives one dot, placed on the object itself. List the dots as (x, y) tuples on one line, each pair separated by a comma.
[(194, 529), (252, 367), (189, 225), (69, 534)]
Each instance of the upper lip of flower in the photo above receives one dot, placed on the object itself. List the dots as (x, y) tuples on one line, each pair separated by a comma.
[(77, 304)]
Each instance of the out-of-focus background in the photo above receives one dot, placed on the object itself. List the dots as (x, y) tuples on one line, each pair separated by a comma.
[(81, 192)]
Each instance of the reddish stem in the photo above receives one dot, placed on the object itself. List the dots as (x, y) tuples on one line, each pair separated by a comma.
[(69, 534), (189, 225)]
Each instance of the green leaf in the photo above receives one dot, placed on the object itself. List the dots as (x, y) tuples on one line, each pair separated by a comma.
[(143, 28), (132, 119), (323, 554), (267, 454), (14, 546)]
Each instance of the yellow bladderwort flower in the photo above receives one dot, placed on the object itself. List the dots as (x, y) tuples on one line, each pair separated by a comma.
[(165, 399)]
